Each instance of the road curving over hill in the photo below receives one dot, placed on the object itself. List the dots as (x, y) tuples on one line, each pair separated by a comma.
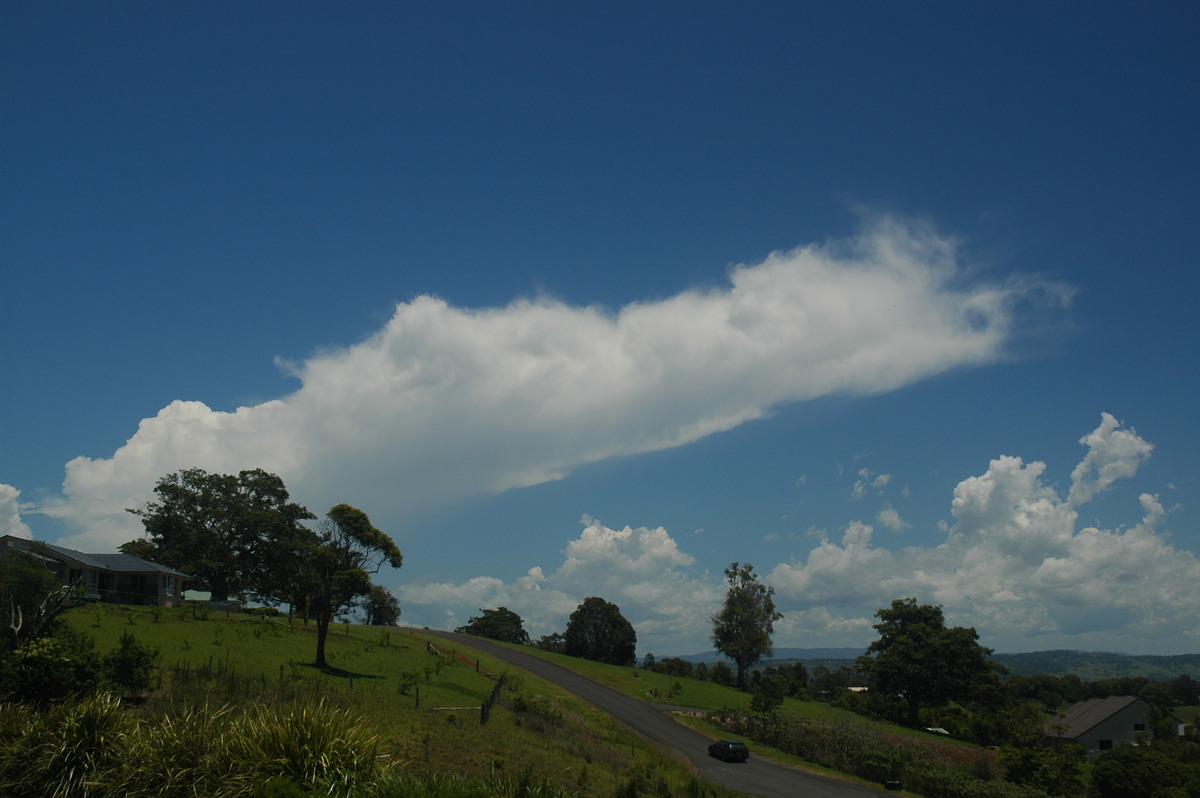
[(760, 777)]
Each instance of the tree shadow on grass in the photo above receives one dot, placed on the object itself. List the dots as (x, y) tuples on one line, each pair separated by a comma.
[(339, 673)]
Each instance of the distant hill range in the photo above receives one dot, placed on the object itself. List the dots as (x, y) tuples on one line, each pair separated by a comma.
[(1087, 665), (1092, 666)]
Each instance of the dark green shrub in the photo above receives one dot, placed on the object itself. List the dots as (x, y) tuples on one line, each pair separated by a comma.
[(50, 669), (130, 666), (768, 693), (1054, 770), (1135, 772), (721, 674)]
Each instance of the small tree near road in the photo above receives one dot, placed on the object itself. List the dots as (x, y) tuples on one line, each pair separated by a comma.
[(598, 631), (742, 629), (381, 607), (551, 642), (501, 624)]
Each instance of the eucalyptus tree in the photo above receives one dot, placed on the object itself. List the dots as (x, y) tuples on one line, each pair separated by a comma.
[(336, 566), (500, 624), (743, 627)]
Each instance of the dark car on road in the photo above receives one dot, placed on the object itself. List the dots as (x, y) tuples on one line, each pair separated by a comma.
[(729, 750)]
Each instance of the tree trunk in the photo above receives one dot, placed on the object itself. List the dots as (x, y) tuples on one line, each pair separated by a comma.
[(322, 631)]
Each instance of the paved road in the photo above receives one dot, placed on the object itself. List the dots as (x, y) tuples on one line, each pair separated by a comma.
[(759, 776)]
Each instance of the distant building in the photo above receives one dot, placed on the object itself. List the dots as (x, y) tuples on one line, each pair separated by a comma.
[(1103, 723), (118, 578)]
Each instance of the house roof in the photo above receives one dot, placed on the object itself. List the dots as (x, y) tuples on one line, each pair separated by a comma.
[(1079, 718), (127, 563), (115, 563), (86, 559)]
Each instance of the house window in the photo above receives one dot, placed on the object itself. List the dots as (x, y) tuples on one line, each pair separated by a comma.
[(1105, 745), (1139, 727), (168, 585)]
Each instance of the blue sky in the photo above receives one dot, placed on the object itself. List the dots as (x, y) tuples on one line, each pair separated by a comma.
[(594, 299)]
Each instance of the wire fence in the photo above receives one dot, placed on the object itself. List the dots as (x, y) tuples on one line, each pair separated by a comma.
[(485, 709)]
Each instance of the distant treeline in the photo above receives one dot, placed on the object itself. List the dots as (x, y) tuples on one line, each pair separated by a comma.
[(1088, 665)]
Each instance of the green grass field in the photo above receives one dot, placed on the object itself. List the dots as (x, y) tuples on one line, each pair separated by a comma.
[(422, 702)]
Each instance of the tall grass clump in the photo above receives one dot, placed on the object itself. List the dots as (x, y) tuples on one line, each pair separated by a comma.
[(67, 751), (459, 785), (185, 754), (309, 744), (96, 749)]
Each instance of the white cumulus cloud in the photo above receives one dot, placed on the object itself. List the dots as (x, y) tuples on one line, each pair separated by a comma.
[(890, 518), (10, 513), (641, 570), (447, 402), (869, 480), (1015, 565)]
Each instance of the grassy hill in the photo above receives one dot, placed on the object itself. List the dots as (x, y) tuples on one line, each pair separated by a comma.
[(417, 697), (420, 697)]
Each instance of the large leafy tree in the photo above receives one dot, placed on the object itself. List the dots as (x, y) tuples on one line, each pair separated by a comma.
[(921, 660), (743, 627), (501, 624), (337, 565), (598, 631), (229, 531)]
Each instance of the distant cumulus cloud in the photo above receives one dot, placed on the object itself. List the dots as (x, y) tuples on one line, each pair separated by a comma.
[(1013, 565), (10, 513), (445, 402), (1113, 454), (890, 518), (868, 480), (641, 570)]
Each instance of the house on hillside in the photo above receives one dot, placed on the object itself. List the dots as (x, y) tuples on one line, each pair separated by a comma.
[(118, 578), (1099, 724)]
